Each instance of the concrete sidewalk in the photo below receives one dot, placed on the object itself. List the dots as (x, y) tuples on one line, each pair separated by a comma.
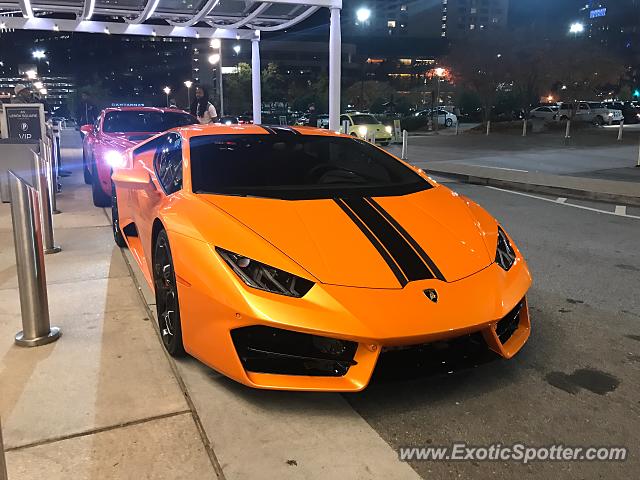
[(105, 402)]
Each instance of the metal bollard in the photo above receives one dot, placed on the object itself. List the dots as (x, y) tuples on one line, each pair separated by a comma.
[(524, 127), (45, 205), (3, 462), (47, 153), (638, 164), (32, 280), (488, 127), (405, 144), (457, 127), (620, 130)]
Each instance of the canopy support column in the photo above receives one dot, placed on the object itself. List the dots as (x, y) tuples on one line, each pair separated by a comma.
[(335, 58), (256, 87)]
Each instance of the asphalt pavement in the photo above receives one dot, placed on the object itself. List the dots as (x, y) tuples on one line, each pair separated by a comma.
[(574, 383)]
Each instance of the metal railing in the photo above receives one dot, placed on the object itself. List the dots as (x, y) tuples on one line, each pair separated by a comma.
[(32, 281)]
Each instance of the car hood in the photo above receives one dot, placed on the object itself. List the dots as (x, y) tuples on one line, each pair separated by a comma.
[(326, 241), (122, 141)]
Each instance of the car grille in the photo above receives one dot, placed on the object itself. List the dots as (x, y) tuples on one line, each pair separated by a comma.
[(265, 349), (509, 323)]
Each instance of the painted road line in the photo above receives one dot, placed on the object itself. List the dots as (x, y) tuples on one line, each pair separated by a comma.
[(564, 204), (561, 200), (499, 168), (621, 210)]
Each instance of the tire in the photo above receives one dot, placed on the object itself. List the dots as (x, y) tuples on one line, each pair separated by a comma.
[(115, 219), (384, 144), (449, 122), (85, 170), (167, 304), (599, 120), (100, 199)]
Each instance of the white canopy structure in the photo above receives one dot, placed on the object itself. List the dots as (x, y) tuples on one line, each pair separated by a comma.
[(223, 19)]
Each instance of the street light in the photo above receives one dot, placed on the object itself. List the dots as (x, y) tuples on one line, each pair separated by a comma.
[(38, 54), (167, 91), (439, 73), (363, 14), (215, 43), (576, 28), (188, 84), (214, 58), (236, 48)]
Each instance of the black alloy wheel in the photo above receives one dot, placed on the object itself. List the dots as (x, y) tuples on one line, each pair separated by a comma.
[(167, 305)]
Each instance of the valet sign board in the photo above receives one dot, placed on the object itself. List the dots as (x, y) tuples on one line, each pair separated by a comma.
[(23, 121)]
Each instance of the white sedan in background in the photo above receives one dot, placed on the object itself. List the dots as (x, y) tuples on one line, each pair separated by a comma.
[(445, 118), (545, 113)]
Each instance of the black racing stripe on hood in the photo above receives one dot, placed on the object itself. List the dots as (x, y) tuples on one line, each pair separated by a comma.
[(402, 279), (414, 244), (411, 264)]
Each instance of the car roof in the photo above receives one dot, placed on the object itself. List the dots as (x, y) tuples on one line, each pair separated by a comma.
[(143, 109), (251, 129)]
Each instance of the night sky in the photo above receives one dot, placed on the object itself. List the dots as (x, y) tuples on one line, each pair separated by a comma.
[(526, 12)]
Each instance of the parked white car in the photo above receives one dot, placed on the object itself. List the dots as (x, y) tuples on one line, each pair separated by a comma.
[(594, 112), (546, 112), (445, 118)]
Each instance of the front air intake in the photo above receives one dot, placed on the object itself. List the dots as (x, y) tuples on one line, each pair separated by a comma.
[(265, 349)]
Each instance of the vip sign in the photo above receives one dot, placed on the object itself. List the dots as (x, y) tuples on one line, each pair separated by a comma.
[(24, 121)]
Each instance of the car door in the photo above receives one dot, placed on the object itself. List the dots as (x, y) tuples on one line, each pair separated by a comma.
[(166, 175)]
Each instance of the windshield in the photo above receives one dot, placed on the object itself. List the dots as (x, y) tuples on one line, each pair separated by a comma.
[(364, 120), (149, 122), (292, 166)]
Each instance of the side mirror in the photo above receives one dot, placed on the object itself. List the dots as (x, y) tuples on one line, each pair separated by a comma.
[(86, 129)]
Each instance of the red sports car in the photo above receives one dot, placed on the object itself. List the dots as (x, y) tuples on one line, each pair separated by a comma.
[(115, 130)]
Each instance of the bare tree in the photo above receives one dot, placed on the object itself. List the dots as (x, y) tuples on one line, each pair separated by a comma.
[(479, 64)]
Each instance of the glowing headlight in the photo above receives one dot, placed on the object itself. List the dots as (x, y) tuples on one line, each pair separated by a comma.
[(263, 277), (114, 159), (388, 129), (505, 255), (362, 131), (611, 114)]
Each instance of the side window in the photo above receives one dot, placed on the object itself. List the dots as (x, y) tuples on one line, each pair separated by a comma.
[(168, 163)]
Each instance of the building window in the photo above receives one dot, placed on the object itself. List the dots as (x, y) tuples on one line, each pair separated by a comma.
[(391, 24)]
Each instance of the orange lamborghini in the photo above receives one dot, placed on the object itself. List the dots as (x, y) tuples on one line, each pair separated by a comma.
[(290, 258)]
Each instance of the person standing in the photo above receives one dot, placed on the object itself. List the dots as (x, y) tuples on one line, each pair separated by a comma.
[(23, 94), (202, 108)]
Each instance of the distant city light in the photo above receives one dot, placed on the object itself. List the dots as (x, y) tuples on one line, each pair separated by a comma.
[(214, 58), (636, 93), (440, 71), (31, 74), (236, 48), (43, 91), (576, 28), (215, 43), (166, 90), (363, 14), (550, 98), (38, 85), (188, 83), (38, 54)]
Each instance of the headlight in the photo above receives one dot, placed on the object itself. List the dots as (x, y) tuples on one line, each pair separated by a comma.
[(388, 129), (362, 131), (611, 114), (505, 255), (114, 159), (263, 277)]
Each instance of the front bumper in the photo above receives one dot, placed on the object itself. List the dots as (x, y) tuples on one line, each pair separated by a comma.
[(213, 308)]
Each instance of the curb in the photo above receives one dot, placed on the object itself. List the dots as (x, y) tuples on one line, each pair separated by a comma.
[(544, 189)]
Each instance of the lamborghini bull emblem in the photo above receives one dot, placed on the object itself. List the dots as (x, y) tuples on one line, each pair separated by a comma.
[(431, 294)]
